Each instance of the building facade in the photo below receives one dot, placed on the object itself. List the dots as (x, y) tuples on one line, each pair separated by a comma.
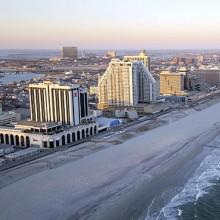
[(126, 84), (69, 52), (208, 77), (171, 83), (54, 102), (26, 135)]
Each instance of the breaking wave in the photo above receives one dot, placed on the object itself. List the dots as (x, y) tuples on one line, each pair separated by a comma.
[(197, 186)]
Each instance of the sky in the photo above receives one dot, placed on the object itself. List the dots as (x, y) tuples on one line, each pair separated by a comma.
[(110, 24)]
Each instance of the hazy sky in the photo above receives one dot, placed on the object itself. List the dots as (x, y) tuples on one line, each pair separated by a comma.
[(116, 24)]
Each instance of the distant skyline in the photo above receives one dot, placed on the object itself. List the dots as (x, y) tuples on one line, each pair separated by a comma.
[(108, 24)]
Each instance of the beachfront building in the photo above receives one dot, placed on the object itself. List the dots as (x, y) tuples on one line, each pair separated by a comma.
[(172, 83), (56, 102), (44, 135), (127, 83), (59, 116)]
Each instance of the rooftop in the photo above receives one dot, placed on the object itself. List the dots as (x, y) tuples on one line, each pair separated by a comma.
[(37, 125), (55, 84), (171, 73)]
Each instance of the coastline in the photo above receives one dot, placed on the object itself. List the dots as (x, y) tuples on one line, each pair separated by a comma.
[(119, 180)]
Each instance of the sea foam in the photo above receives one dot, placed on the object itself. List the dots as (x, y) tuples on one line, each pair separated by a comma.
[(196, 187)]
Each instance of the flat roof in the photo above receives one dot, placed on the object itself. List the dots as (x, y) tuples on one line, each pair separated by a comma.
[(38, 125), (172, 73), (54, 84)]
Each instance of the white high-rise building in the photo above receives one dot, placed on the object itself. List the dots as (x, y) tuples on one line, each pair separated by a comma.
[(54, 102), (127, 84)]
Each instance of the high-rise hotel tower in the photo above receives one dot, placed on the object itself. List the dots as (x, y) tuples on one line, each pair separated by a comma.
[(54, 102), (126, 84)]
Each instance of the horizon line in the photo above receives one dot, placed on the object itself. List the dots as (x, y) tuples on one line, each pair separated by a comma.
[(118, 49)]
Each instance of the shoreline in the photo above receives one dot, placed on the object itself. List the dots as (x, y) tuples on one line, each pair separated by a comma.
[(93, 186), (165, 172)]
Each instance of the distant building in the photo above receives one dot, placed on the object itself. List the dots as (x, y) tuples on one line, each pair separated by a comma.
[(175, 61), (171, 83), (111, 54), (69, 52), (141, 57), (208, 77), (200, 59), (192, 82), (56, 102), (126, 84)]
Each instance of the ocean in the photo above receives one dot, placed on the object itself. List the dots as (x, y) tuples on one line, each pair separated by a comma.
[(199, 198), (31, 54), (28, 54)]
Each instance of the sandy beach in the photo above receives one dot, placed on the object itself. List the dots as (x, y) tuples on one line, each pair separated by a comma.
[(118, 182)]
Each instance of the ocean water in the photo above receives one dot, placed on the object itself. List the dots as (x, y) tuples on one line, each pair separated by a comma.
[(32, 54), (46, 53), (28, 54), (200, 196)]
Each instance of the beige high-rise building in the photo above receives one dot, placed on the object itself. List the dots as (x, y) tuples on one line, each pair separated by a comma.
[(141, 57), (56, 102), (126, 84), (171, 83), (69, 52)]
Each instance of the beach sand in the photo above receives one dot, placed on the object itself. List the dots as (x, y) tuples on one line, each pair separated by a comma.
[(118, 182)]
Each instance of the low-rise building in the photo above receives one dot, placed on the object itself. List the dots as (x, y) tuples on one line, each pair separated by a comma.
[(106, 123), (45, 135)]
